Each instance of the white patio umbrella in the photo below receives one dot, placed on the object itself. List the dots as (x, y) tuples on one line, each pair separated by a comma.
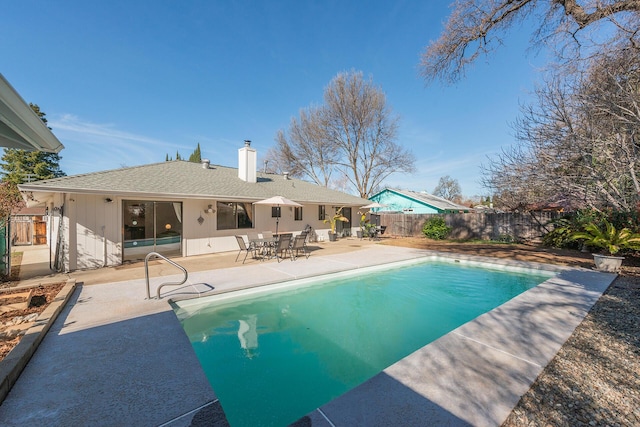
[(277, 201), (373, 206)]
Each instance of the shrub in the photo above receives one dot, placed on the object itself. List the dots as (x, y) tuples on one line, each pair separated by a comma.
[(560, 236), (608, 238), (563, 228), (435, 228), (567, 226)]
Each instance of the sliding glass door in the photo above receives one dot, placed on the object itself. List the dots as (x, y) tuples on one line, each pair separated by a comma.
[(151, 227)]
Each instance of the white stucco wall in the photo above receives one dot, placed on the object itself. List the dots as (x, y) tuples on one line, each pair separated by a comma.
[(92, 228), (95, 231)]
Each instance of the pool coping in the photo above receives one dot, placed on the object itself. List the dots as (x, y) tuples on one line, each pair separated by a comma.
[(109, 332), (443, 384)]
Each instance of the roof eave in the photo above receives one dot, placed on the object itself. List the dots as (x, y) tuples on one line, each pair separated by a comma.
[(20, 126), (26, 188)]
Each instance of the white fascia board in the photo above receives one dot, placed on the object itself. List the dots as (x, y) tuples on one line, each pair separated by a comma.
[(20, 126)]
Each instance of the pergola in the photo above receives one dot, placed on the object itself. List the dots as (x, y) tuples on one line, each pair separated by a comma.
[(20, 127)]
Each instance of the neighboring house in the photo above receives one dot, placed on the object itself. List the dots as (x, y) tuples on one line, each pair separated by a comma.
[(176, 208), (413, 202)]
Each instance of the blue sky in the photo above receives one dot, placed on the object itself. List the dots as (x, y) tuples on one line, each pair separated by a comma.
[(124, 83)]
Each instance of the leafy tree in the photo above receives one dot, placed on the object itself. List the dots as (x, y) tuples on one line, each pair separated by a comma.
[(10, 200), (22, 166), (196, 156), (353, 133), (448, 188), (478, 27)]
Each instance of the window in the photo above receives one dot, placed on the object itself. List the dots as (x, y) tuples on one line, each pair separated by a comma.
[(231, 215), (297, 213), (275, 212), (321, 213)]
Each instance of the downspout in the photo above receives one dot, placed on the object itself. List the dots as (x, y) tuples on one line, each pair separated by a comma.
[(50, 227), (104, 251)]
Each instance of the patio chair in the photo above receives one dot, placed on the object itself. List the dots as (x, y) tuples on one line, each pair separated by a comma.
[(255, 241), (267, 235), (298, 245), (244, 248), (307, 238), (282, 247)]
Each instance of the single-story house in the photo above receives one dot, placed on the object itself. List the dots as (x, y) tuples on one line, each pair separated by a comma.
[(413, 202), (176, 208)]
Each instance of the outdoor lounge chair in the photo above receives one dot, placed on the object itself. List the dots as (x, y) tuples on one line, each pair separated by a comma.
[(298, 245), (244, 248), (282, 247)]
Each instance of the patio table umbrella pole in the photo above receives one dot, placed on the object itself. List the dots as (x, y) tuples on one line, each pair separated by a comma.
[(277, 201)]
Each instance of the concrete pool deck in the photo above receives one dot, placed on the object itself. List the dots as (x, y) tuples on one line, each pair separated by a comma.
[(114, 358)]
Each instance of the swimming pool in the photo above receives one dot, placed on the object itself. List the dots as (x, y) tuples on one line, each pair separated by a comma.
[(274, 354)]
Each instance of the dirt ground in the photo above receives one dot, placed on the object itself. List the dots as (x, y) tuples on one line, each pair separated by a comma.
[(519, 252), (41, 297)]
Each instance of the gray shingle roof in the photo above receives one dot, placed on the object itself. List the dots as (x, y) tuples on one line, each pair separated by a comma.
[(190, 180), (431, 200)]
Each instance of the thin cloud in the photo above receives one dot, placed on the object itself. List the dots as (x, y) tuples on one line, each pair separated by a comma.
[(91, 146), (73, 124)]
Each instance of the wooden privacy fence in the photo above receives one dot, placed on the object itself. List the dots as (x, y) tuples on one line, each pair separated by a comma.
[(28, 230), (485, 226)]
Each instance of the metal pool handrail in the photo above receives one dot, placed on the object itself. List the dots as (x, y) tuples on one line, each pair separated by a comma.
[(146, 272)]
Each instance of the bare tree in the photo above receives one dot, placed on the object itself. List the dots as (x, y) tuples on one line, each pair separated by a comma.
[(477, 27), (304, 150), (579, 143), (352, 134), (448, 188)]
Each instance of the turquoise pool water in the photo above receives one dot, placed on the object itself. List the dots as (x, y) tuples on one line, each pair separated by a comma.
[(274, 357)]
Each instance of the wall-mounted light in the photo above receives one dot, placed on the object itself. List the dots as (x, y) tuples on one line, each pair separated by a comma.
[(210, 209), (108, 200)]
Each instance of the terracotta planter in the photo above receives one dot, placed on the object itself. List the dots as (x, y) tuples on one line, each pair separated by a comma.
[(610, 264)]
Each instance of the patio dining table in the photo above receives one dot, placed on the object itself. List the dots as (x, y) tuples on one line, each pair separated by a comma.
[(264, 245)]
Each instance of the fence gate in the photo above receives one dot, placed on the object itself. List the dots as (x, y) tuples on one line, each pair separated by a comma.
[(40, 232), (28, 230)]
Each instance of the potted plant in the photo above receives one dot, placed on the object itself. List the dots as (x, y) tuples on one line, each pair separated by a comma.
[(363, 225), (332, 220), (610, 240)]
